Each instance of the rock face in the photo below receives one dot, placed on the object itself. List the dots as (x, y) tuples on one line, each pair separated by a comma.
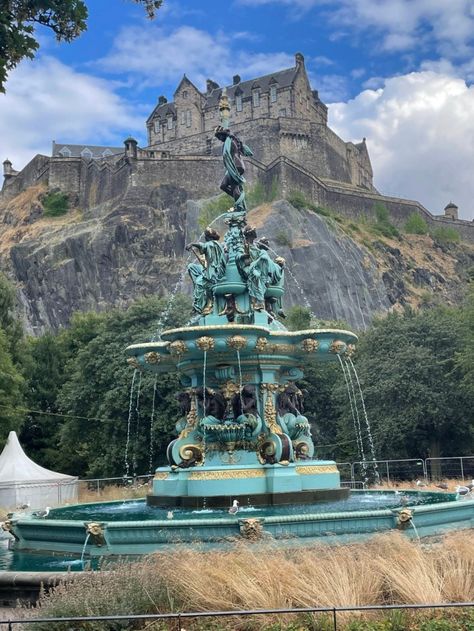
[(133, 246)]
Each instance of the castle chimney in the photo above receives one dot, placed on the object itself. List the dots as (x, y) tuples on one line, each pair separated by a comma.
[(235, 79), (162, 100), (211, 85), (450, 211), (299, 59), (130, 147)]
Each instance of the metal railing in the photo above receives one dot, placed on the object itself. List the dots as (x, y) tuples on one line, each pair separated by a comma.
[(178, 618)]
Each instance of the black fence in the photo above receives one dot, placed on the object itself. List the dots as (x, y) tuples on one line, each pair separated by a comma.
[(179, 618)]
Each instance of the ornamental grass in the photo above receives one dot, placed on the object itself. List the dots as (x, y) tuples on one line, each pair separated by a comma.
[(389, 569)]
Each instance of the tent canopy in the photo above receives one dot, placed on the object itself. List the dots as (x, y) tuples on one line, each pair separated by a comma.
[(15, 466)]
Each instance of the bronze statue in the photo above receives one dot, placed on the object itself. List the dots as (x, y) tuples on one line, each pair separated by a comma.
[(245, 402), (232, 153), (209, 269), (214, 404)]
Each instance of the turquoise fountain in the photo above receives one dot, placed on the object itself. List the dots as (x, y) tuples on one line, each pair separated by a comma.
[(243, 463)]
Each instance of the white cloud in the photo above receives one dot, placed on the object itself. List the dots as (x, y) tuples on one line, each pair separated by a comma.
[(400, 25), (420, 135), (156, 56), (48, 100)]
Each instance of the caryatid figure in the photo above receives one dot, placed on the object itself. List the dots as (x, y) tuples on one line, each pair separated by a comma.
[(209, 270)]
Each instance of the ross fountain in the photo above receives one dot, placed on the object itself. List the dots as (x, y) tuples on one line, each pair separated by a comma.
[(242, 439)]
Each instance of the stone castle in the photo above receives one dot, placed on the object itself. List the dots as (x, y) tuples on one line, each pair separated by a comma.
[(278, 115)]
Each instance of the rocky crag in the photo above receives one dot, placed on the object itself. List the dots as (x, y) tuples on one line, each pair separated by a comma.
[(133, 245)]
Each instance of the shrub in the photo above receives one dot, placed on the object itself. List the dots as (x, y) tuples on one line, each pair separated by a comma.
[(283, 238), (55, 204), (297, 199), (444, 235), (382, 224), (256, 195), (212, 209), (415, 224)]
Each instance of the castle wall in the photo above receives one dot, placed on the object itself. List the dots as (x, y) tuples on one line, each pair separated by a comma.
[(35, 172)]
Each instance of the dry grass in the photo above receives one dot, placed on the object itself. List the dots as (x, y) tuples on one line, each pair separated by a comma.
[(111, 493), (388, 569)]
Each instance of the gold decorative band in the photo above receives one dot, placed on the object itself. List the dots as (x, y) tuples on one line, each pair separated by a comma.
[(161, 475), (311, 470), (233, 474)]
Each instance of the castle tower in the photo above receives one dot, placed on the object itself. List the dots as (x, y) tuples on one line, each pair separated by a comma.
[(8, 170), (130, 147), (451, 211)]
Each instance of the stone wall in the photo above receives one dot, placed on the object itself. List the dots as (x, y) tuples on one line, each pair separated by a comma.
[(35, 172)]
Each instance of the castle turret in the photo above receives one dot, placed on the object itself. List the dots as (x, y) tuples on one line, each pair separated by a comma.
[(130, 147), (451, 211), (8, 170), (299, 59)]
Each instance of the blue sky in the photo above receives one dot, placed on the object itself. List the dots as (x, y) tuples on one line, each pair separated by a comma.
[(398, 72)]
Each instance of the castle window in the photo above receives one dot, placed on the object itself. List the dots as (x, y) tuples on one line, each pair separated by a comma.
[(238, 102), (282, 112), (157, 126), (188, 118), (86, 153), (183, 117), (256, 97), (65, 152), (107, 153), (273, 93), (185, 94), (170, 122)]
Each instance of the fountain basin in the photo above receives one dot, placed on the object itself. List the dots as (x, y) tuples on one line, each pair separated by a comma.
[(133, 528)]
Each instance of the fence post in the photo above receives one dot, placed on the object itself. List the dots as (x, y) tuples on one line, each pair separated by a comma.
[(179, 622), (334, 618), (462, 468), (388, 472), (98, 487), (425, 470)]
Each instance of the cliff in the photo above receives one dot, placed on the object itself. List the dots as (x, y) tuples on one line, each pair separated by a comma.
[(132, 245)]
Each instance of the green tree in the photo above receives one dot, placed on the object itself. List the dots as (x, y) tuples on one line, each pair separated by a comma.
[(407, 366), (20, 18), (96, 393), (11, 390), (9, 321), (298, 318)]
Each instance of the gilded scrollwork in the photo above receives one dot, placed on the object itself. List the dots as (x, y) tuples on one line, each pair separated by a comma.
[(152, 358), (205, 343), (269, 407)]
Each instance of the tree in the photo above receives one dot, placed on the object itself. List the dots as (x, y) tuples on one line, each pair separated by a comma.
[(19, 18), (11, 383), (407, 367), (96, 394)]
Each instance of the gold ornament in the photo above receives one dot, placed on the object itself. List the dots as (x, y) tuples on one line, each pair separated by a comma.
[(337, 347), (229, 389), (238, 342), (96, 533), (404, 517), (316, 469), (261, 344), (152, 358), (189, 452), (178, 347), (251, 529), (351, 349), (232, 474), (309, 345), (269, 408), (205, 343), (160, 475), (132, 361)]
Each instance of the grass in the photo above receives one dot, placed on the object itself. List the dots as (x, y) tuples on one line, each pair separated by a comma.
[(444, 235), (386, 570)]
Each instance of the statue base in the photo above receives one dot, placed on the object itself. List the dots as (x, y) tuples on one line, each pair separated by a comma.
[(214, 485)]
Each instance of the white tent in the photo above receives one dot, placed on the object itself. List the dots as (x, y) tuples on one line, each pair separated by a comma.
[(22, 481)]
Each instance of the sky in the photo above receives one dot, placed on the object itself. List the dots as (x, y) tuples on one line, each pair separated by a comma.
[(398, 72)]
